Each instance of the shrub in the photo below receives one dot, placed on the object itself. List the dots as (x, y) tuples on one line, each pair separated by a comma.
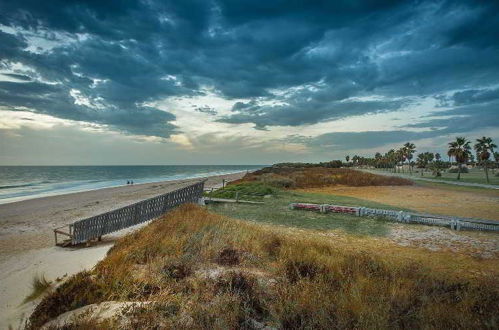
[(313, 177), (277, 181), (247, 190)]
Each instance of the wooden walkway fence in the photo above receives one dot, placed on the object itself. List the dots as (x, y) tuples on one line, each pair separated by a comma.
[(94, 227), (456, 223)]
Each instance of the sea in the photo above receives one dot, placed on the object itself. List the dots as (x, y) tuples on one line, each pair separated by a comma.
[(26, 182)]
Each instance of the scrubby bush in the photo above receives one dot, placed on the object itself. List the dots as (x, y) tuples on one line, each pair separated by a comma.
[(278, 181), (246, 190), (313, 177)]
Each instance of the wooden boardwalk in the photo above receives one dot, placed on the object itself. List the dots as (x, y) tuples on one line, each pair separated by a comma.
[(95, 227)]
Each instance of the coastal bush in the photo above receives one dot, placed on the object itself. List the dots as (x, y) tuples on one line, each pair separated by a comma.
[(246, 190), (278, 181), (314, 177), (213, 272)]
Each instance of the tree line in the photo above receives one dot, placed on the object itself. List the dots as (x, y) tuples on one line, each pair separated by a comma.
[(459, 152)]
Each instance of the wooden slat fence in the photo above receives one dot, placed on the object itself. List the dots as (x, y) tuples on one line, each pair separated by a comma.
[(102, 224)]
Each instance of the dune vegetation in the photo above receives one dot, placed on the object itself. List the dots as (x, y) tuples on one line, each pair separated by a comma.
[(314, 177), (194, 269)]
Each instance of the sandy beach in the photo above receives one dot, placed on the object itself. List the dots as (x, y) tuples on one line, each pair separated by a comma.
[(27, 240)]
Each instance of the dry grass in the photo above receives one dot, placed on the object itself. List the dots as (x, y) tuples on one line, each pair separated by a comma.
[(314, 177), (426, 199), (204, 271), (38, 286)]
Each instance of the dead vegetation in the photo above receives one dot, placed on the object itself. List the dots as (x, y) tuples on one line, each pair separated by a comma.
[(199, 270), (314, 177), (38, 286)]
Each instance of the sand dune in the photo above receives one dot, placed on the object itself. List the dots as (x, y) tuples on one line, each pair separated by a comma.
[(27, 241)]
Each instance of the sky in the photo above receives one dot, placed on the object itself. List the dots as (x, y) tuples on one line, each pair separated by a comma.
[(242, 82)]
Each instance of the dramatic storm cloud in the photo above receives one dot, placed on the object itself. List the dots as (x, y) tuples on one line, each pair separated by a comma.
[(311, 79)]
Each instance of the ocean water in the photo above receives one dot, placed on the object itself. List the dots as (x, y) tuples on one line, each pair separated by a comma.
[(25, 182)]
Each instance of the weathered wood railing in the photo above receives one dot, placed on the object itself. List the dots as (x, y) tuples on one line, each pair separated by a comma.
[(94, 227), (456, 223)]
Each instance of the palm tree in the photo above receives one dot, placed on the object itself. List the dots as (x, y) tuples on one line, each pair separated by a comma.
[(390, 157), (347, 158), (399, 158), (460, 149), (409, 150), (355, 160), (423, 160), (484, 148)]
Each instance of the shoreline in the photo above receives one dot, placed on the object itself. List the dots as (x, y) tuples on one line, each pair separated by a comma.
[(80, 189), (27, 242)]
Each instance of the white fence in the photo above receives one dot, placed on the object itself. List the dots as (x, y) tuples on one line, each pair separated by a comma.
[(402, 216)]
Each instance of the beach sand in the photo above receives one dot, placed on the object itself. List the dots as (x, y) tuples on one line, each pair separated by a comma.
[(27, 239)]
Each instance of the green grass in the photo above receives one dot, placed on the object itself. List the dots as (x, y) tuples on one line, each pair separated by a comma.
[(276, 211), (445, 186), (475, 175), (249, 191)]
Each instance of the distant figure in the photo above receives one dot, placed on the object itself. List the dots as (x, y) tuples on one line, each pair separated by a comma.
[(131, 182), (128, 182)]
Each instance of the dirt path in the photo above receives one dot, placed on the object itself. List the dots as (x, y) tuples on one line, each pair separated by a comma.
[(473, 204)]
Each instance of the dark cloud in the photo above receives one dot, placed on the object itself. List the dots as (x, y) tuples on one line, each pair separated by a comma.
[(473, 96), (366, 140), (206, 109), (299, 62), (307, 110)]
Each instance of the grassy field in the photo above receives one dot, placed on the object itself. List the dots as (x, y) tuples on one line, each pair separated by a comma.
[(445, 186), (194, 269), (276, 209), (475, 175)]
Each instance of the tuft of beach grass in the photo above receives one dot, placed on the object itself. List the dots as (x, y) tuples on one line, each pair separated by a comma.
[(39, 285)]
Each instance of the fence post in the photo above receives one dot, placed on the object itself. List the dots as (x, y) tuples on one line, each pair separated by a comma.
[(400, 216)]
